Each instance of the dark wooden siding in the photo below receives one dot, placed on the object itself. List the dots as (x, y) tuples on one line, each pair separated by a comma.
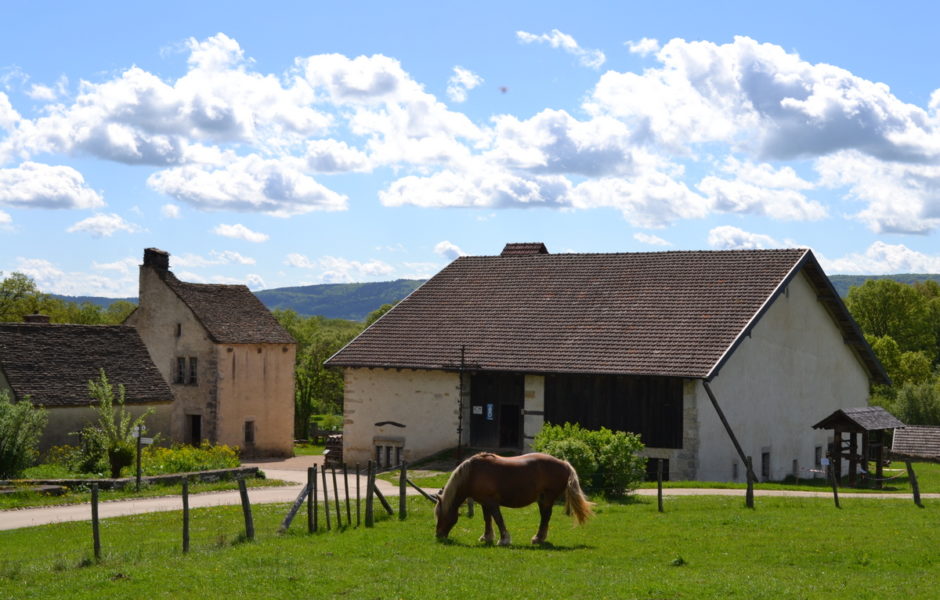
[(649, 406)]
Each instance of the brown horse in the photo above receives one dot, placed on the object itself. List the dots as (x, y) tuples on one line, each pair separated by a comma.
[(494, 481)]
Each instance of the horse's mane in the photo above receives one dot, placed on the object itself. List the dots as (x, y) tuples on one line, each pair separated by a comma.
[(457, 479)]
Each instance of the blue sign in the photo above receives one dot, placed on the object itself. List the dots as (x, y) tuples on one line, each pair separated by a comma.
[(489, 412)]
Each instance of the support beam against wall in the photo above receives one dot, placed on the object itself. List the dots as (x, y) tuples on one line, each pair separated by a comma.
[(734, 439)]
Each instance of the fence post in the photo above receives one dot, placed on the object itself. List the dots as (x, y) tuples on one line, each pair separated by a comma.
[(835, 485), (370, 517), (358, 497), (402, 490), (326, 497), (95, 533), (285, 524), (246, 508), (914, 486), (749, 495), (139, 448), (311, 499), (659, 483), (339, 519), (185, 515), (346, 487)]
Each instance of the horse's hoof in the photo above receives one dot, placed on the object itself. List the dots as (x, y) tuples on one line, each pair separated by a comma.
[(538, 540), (486, 540), (506, 541)]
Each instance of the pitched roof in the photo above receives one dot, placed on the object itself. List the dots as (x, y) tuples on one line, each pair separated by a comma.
[(661, 313), (864, 418), (231, 314), (52, 364), (916, 441)]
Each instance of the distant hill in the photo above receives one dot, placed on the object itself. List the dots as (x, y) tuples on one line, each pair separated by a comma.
[(97, 300), (353, 301), (842, 283)]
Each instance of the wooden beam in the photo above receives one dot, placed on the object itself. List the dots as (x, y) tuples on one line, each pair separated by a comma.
[(734, 439)]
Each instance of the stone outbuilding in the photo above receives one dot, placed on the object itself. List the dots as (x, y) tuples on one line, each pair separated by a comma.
[(710, 355), (228, 362), (51, 365)]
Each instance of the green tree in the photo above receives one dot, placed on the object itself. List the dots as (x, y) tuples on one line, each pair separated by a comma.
[(113, 432), (883, 307), (376, 314), (918, 403), (21, 426), (19, 296)]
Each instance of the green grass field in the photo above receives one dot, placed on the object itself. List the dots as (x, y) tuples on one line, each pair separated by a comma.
[(701, 547)]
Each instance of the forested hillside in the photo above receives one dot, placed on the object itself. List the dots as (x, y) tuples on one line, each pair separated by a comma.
[(843, 283)]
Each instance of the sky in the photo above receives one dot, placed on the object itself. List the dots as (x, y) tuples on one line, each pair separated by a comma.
[(290, 144)]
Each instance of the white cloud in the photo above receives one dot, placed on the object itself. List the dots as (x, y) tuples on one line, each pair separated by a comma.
[(104, 225), (420, 270), (644, 46), (448, 250), (556, 39), (650, 199), (482, 187), (332, 156), (881, 258), (41, 92), (727, 237), (299, 261), (240, 232), (170, 211), (5, 218), (254, 281), (8, 116), (461, 82), (761, 190), (125, 266), (225, 257), (341, 270), (35, 185), (53, 280), (251, 183), (651, 240)]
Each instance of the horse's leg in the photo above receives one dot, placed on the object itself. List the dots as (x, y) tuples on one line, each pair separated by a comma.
[(545, 511), (504, 539), (487, 536)]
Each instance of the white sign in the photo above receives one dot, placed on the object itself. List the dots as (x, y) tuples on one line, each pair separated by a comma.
[(478, 410), (146, 440)]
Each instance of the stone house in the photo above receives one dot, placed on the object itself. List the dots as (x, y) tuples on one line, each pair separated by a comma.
[(228, 362), (51, 365), (710, 355)]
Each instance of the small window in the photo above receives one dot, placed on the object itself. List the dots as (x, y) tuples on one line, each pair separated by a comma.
[(249, 432), (192, 370), (180, 370), (765, 466), (179, 329), (817, 458), (734, 471)]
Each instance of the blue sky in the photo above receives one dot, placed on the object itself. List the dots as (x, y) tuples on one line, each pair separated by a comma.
[(306, 143)]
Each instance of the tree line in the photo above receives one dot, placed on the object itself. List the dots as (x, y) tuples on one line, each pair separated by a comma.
[(19, 297)]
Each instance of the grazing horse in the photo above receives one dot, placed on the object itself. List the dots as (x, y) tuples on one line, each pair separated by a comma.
[(493, 481)]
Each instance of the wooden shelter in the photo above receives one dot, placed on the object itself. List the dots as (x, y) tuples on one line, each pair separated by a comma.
[(916, 443), (868, 422)]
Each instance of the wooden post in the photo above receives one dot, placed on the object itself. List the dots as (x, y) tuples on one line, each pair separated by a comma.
[(724, 421), (311, 499), (346, 487), (246, 509), (95, 532), (402, 491), (749, 495), (830, 470), (139, 447), (382, 499), (914, 487), (370, 517), (426, 495), (358, 497), (326, 498), (659, 483), (339, 519), (292, 512), (853, 460), (185, 515), (836, 459)]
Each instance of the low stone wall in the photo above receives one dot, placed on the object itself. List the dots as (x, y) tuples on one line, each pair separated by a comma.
[(168, 479)]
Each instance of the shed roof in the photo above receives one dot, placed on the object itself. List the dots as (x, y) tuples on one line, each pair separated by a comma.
[(919, 442), (53, 363), (865, 418), (658, 313), (231, 314)]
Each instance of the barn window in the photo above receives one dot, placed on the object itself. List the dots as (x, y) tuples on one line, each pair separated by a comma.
[(249, 432), (192, 370), (817, 458), (765, 465), (180, 370), (649, 406)]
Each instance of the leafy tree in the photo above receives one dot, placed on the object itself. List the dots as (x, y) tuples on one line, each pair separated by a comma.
[(918, 403), (902, 367), (21, 425), (113, 432), (19, 296), (884, 307), (376, 314)]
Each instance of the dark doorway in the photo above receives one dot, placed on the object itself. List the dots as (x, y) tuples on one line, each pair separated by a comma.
[(496, 401), (195, 429)]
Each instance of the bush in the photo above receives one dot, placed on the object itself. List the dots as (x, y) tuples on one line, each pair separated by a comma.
[(21, 425), (606, 461), (113, 434), (157, 460)]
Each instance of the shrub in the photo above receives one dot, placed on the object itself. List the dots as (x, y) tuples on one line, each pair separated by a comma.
[(606, 461), (182, 458), (21, 425), (112, 435)]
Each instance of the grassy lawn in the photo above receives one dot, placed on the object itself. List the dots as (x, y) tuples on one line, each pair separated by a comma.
[(701, 547), (27, 499), (305, 449)]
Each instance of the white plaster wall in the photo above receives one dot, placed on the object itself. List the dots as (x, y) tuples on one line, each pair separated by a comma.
[(256, 383), (793, 371), (534, 407), (426, 402)]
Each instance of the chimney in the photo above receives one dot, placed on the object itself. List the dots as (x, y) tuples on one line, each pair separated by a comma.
[(156, 258), (35, 318), (524, 249)]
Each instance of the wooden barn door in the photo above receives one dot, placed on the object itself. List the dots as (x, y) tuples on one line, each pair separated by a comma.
[(496, 401)]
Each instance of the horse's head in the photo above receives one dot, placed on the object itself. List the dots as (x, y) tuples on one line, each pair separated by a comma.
[(446, 518)]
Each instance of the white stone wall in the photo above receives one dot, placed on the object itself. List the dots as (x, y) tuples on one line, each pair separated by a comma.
[(426, 402), (790, 373)]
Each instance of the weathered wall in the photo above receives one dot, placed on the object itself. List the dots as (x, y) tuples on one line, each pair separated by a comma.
[(534, 409), (65, 420), (256, 383), (791, 372), (426, 402), (156, 319)]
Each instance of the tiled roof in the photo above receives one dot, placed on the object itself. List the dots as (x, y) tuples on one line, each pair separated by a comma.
[(230, 313), (660, 313), (917, 441), (53, 363), (865, 418)]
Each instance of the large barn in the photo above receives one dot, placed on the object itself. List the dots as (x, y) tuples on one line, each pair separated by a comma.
[(709, 355)]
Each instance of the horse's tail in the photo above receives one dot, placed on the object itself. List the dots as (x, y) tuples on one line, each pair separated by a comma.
[(576, 503)]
